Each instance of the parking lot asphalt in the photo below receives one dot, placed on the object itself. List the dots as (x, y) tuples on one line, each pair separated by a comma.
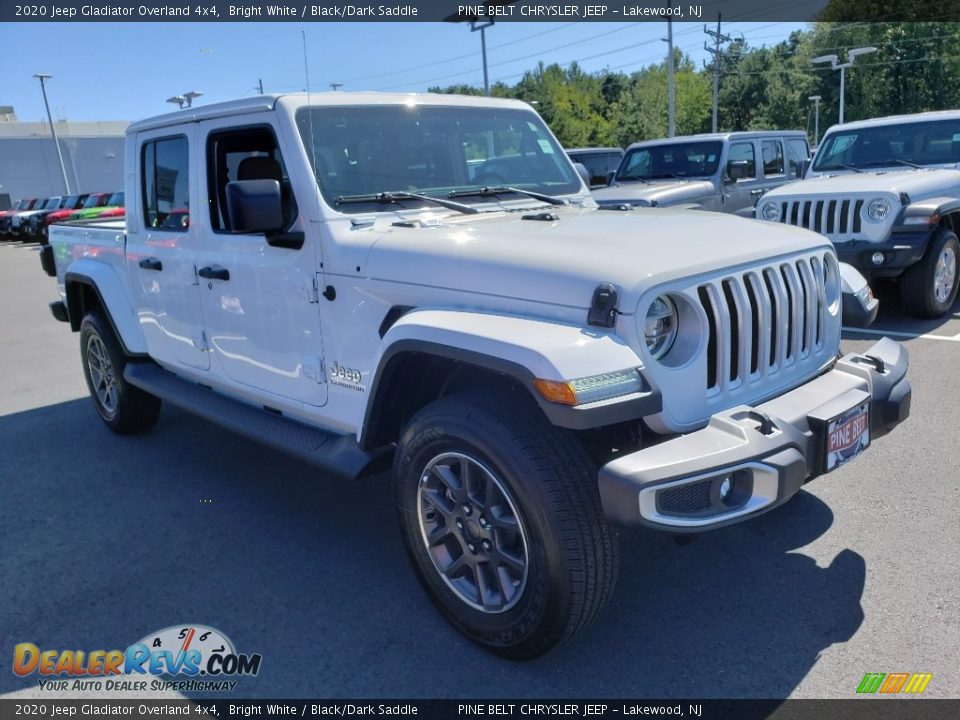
[(105, 539)]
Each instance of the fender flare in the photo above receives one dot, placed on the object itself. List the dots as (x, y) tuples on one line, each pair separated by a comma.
[(937, 206), (106, 283), (520, 348)]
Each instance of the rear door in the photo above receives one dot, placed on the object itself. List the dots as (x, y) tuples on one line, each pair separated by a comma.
[(774, 163), (161, 255)]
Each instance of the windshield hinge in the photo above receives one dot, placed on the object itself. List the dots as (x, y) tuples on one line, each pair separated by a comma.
[(603, 308)]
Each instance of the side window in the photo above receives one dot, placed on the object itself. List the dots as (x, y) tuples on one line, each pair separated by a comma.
[(797, 154), (165, 181), (772, 157), (249, 153), (744, 151)]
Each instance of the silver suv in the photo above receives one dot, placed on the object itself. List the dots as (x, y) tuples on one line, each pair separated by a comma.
[(726, 172)]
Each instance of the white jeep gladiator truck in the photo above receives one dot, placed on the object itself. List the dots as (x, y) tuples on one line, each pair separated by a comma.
[(422, 280), (887, 193)]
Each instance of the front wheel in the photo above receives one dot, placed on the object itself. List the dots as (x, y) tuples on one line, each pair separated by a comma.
[(501, 517), (930, 287), (125, 409)]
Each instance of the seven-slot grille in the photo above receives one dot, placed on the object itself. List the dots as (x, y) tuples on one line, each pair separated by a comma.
[(828, 217), (763, 320)]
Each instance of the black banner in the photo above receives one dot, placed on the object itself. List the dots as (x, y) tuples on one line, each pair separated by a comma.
[(473, 10), (853, 709)]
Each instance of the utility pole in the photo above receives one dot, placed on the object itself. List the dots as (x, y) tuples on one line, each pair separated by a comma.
[(260, 85), (336, 85), (718, 39), (53, 130), (671, 94)]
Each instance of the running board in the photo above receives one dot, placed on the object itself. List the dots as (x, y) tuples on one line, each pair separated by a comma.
[(338, 454)]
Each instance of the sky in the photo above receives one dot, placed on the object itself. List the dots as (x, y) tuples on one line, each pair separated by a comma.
[(127, 71)]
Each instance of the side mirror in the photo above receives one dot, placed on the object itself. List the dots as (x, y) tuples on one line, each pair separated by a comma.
[(611, 176), (254, 206), (738, 170), (583, 173), (804, 166)]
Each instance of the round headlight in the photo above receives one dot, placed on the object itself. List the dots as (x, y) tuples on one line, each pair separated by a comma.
[(878, 209), (660, 326), (770, 211)]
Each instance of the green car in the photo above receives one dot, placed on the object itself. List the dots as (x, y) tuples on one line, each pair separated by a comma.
[(112, 206)]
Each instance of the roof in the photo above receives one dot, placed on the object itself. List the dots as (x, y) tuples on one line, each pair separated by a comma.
[(734, 135), (594, 150), (263, 103), (900, 119)]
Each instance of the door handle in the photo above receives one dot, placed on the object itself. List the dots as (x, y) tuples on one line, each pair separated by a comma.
[(214, 272), (151, 263), (757, 193)]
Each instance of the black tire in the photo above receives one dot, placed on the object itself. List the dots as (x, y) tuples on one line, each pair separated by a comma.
[(549, 483), (126, 410), (918, 285)]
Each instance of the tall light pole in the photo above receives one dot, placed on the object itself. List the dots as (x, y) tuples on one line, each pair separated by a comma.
[(185, 100), (671, 93), (816, 118), (835, 64), (482, 26), (53, 130)]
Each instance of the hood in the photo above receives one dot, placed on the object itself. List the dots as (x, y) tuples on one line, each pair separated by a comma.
[(561, 261), (653, 193), (919, 183)]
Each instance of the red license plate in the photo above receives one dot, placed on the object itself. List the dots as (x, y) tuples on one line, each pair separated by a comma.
[(847, 436)]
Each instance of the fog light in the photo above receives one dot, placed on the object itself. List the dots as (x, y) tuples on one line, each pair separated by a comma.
[(877, 258), (726, 487)]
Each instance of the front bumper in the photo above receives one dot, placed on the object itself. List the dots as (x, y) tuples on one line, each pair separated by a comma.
[(766, 452), (900, 251)]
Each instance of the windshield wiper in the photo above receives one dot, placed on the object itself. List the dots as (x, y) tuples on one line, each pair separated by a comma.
[(661, 176), (892, 161), (632, 178), (501, 189), (389, 197)]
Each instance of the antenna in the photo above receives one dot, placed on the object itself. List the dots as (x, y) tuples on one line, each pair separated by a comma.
[(313, 138)]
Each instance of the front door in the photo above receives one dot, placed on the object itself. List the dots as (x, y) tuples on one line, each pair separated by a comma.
[(260, 305), (746, 191)]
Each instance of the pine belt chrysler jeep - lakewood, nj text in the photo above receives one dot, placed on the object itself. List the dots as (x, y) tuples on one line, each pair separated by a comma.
[(366, 279)]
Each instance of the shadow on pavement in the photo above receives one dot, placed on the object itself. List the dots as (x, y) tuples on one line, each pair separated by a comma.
[(106, 539)]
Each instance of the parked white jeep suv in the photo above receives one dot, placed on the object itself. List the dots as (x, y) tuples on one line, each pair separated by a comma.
[(367, 279), (887, 193)]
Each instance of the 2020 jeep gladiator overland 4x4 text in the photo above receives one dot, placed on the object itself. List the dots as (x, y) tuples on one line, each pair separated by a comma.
[(347, 278), (887, 193)]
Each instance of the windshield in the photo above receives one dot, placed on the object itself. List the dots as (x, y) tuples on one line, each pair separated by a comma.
[(431, 151), (904, 144), (689, 159)]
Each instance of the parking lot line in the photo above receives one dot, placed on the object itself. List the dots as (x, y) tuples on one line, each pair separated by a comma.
[(896, 333)]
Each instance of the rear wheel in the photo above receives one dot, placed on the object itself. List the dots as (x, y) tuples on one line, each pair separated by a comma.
[(501, 517), (930, 287), (125, 409)]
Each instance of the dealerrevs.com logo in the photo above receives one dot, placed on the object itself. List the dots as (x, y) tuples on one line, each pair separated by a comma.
[(200, 658)]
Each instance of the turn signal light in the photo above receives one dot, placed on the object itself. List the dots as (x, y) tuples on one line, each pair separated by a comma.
[(556, 391)]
